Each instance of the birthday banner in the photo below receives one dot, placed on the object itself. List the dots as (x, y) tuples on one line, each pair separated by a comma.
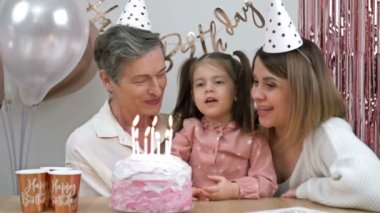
[(192, 28)]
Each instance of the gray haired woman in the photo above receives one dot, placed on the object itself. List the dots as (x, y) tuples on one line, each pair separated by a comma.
[(132, 69)]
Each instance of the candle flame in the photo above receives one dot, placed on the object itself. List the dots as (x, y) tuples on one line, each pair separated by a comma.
[(154, 122), (136, 120), (170, 121), (147, 131)]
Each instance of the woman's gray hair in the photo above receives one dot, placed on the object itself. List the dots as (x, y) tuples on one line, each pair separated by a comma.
[(121, 44)]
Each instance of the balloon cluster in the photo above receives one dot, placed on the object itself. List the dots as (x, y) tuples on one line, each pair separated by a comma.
[(45, 47)]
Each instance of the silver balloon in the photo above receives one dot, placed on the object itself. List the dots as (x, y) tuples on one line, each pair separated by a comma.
[(41, 42)]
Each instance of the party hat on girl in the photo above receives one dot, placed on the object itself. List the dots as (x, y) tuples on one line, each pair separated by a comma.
[(281, 34), (135, 14)]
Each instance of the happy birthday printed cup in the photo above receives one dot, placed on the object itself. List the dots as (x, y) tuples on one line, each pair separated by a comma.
[(64, 190), (53, 168), (49, 169), (33, 189)]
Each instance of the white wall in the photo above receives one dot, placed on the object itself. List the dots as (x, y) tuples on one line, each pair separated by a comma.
[(55, 119)]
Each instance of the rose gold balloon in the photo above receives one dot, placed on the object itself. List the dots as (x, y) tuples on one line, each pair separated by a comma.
[(82, 73)]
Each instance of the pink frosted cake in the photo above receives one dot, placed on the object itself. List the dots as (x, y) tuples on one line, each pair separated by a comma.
[(151, 183)]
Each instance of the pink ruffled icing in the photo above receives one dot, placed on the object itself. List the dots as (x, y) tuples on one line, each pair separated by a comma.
[(151, 183), (140, 196)]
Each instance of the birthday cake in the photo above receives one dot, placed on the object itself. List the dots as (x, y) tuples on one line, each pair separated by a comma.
[(151, 183)]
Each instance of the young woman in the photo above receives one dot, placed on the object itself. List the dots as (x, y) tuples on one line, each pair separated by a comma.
[(316, 155)]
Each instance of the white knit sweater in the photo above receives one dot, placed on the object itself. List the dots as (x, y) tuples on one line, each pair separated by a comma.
[(335, 168)]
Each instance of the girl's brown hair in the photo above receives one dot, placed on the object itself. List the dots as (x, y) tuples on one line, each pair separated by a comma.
[(240, 73)]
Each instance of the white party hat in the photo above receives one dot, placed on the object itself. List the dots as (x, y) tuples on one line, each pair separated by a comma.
[(281, 34), (135, 14)]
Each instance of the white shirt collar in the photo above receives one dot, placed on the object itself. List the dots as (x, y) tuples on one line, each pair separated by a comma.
[(106, 125)]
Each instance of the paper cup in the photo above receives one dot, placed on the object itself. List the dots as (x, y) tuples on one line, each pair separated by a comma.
[(49, 169), (65, 190), (53, 168), (33, 188)]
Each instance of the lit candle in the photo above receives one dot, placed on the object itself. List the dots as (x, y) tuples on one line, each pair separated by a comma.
[(158, 140), (134, 124), (170, 136), (133, 141), (135, 121), (167, 148), (147, 130), (137, 141), (152, 139), (170, 121)]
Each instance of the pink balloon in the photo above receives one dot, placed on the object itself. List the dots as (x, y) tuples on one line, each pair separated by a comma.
[(41, 42)]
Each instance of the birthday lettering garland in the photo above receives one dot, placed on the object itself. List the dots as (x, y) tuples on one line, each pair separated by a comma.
[(189, 44)]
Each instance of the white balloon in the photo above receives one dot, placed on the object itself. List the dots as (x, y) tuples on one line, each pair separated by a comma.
[(10, 88), (41, 42)]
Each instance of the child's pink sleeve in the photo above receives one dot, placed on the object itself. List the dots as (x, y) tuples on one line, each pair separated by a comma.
[(182, 142), (261, 180)]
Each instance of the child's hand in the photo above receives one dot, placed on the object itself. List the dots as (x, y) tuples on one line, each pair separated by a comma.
[(223, 189), (197, 195), (291, 193)]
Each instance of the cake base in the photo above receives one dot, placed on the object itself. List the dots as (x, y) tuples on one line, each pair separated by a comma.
[(152, 183)]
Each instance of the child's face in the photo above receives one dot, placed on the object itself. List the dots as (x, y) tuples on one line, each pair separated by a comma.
[(213, 93), (272, 97)]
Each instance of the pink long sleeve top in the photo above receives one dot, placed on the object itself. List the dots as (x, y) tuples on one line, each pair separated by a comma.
[(225, 150)]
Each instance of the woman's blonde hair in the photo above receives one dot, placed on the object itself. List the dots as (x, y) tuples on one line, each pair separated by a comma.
[(314, 97)]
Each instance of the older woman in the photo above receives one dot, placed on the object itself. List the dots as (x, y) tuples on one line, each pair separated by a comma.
[(132, 69)]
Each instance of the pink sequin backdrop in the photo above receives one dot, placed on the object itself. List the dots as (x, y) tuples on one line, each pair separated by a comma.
[(348, 33)]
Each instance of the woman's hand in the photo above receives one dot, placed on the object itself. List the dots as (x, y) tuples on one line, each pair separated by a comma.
[(223, 189)]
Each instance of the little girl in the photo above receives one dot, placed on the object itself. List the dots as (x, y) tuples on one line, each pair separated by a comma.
[(215, 123)]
